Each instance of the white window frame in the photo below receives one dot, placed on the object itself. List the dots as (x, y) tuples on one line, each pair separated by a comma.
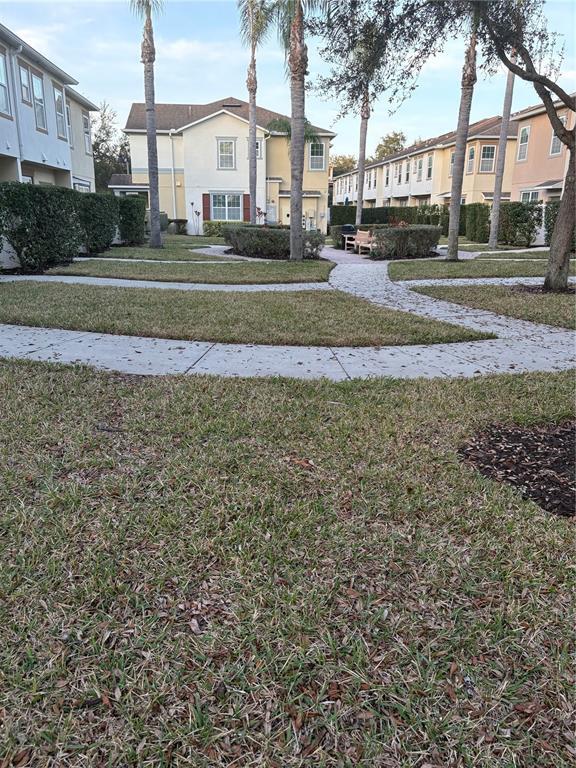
[(61, 127), (429, 167), (482, 158), (258, 149), (82, 186), (387, 179), (451, 169), (555, 138), (471, 160), (226, 206), (420, 169), (87, 131), (25, 69), (317, 157), (523, 145), (4, 84), (39, 102), (407, 172), (219, 155), (530, 193), (69, 124)]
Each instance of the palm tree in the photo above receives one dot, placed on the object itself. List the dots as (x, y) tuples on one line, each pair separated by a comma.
[(145, 9), (501, 161), (255, 21), (289, 15), (467, 91), (364, 117)]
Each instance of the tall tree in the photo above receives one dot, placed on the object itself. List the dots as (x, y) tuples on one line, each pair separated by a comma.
[(145, 9), (392, 142), (110, 149), (342, 164), (466, 92), (501, 161), (255, 19)]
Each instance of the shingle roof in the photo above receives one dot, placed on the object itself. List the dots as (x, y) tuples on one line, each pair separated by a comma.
[(178, 115)]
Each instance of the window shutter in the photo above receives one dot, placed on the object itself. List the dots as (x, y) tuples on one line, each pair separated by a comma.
[(246, 207), (206, 206)]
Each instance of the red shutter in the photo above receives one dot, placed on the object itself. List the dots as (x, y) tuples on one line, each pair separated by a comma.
[(246, 211), (206, 206)]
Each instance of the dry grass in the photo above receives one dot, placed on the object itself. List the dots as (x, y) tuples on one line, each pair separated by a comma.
[(296, 317), (199, 572), (425, 269)]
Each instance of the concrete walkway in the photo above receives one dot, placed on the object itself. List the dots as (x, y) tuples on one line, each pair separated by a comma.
[(520, 347)]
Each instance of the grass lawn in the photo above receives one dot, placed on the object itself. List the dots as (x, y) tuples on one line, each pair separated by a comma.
[(419, 269), (467, 245), (521, 255), (244, 272), (299, 317), (170, 252), (549, 308), (197, 571)]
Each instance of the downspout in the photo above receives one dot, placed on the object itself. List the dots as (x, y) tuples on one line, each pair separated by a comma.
[(171, 135), (13, 53)]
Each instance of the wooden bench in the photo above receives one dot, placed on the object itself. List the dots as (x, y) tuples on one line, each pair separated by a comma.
[(363, 241)]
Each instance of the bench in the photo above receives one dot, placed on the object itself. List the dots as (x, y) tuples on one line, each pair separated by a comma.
[(363, 241)]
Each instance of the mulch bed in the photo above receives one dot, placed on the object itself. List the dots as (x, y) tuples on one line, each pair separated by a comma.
[(539, 289), (539, 461)]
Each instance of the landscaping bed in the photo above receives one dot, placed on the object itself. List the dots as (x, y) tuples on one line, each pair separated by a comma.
[(203, 571), (295, 317), (423, 270), (241, 273), (522, 301)]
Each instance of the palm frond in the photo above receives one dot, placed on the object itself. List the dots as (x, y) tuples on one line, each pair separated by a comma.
[(282, 125), (140, 7), (256, 20)]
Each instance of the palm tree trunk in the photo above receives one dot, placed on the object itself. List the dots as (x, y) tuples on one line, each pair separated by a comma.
[(501, 161), (252, 85), (562, 241), (148, 57), (467, 91), (298, 62), (364, 117)]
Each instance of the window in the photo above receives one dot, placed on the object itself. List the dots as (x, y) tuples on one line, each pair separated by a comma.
[(69, 124), (387, 181), (60, 107), (82, 186), (316, 159), (407, 175), (529, 197), (226, 207), (452, 154), (25, 86), (87, 133), (471, 156), (487, 156), (523, 143), (4, 94), (556, 144), (39, 105), (258, 149), (226, 154), (429, 168), (420, 167)]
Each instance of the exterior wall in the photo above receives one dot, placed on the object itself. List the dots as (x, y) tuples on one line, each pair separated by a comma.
[(82, 161), (170, 186), (539, 166)]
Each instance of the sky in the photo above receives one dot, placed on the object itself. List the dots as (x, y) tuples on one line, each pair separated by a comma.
[(200, 58)]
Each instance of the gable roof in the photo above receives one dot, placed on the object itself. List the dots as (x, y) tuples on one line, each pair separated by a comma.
[(538, 109), (178, 116)]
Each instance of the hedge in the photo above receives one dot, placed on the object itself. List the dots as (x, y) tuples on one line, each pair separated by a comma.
[(269, 242), (519, 223), (411, 242), (98, 219), (132, 219), (477, 226), (390, 214), (42, 224), (336, 232)]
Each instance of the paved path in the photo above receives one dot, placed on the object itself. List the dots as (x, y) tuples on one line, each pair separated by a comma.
[(117, 282), (520, 347), (456, 281)]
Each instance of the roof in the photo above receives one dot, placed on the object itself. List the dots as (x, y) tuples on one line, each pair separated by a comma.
[(124, 180), (11, 39), (487, 128), (550, 184), (538, 109), (178, 116), (82, 100)]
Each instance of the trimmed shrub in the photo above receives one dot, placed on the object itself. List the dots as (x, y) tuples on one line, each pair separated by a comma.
[(519, 223), (132, 219), (390, 214), (42, 224), (477, 225), (342, 214), (99, 220), (269, 242), (411, 242)]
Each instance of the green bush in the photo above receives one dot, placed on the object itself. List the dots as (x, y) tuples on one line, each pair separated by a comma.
[(132, 219), (99, 220), (390, 214), (550, 215), (42, 224), (269, 242), (477, 219), (214, 228), (411, 242), (519, 223)]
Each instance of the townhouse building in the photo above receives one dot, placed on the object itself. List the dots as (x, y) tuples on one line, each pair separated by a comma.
[(203, 164), (421, 174), (44, 123)]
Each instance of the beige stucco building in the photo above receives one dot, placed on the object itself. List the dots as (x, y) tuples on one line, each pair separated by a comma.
[(203, 164)]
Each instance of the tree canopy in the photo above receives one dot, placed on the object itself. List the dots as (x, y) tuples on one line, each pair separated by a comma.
[(342, 164), (110, 148), (389, 144)]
